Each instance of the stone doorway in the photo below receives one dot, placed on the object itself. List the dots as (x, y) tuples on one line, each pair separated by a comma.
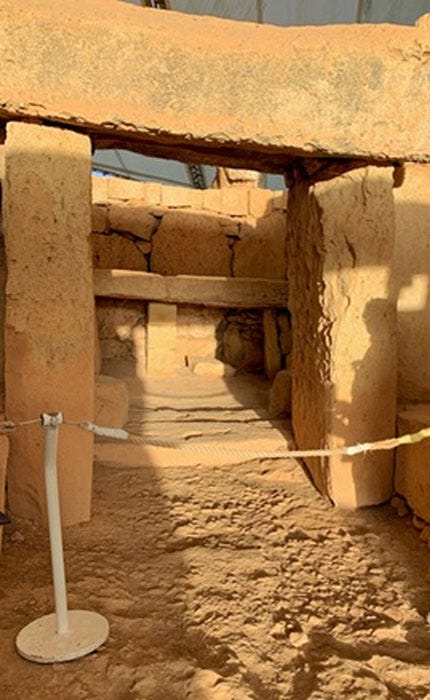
[(333, 114)]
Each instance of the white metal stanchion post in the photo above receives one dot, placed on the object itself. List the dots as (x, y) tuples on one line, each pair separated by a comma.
[(51, 424), (63, 635)]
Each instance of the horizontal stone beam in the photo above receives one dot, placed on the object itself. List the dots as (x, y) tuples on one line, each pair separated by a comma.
[(211, 90), (224, 292)]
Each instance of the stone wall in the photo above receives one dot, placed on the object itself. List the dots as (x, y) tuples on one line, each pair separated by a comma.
[(411, 276), (412, 285), (231, 232)]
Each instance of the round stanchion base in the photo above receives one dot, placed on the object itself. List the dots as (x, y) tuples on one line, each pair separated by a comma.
[(40, 642)]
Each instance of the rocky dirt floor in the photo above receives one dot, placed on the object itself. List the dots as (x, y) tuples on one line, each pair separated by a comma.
[(224, 582)]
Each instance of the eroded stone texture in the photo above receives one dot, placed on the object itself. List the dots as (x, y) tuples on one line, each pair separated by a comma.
[(412, 463), (134, 220), (261, 250), (260, 202), (49, 311), (119, 252), (272, 350), (161, 339), (121, 325), (280, 394), (4, 454), (181, 197), (190, 244), (238, 178), (99, 189), (111, 401), (204, 367), (99, 218), (352, 91), (344, 329), (2, 310), (121, 188), (197, 332), (242, 340), (411, 281)]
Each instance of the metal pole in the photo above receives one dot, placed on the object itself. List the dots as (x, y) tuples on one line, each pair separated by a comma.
[(50, 422), (64, 635)]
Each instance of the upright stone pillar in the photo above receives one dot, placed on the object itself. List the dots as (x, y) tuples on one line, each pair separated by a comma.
[(344, 329), (161, 339), (49, 343)]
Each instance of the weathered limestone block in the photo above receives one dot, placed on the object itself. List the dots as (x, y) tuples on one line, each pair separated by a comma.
[(236, 177), (411, 270), (242, 178), (121, 325), (234, 201), (348, 94), (280, 394), (191, 244), (260, 202), (99, 218), (280, 200), (161, 339), (111, 401), (122, 189), (4, 454), (285, 333), (197, 332), (151, 193), (242, 341), (412, 479), (272, 350), (344, 329), (132, 219), (204, 367), (2, 311), (212, 200), (181, 197), (227, 292), (119, 252), (49, 311), (97, 349), (139, 335), (99, 189), (261, 252)]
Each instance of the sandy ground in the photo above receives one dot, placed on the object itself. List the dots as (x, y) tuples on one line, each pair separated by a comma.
[(225, 582)]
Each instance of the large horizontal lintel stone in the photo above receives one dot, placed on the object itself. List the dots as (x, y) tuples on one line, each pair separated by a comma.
[(191, 289), (247, 96)]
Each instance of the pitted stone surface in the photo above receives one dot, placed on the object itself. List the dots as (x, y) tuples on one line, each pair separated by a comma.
[(411, 266), (115, 251), (261, 250), (111, 401), (49, 341), (345, 91), (344, 362), (190, 244), (134, 220)]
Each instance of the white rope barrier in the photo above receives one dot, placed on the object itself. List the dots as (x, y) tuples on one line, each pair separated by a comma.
[(125, 435)]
